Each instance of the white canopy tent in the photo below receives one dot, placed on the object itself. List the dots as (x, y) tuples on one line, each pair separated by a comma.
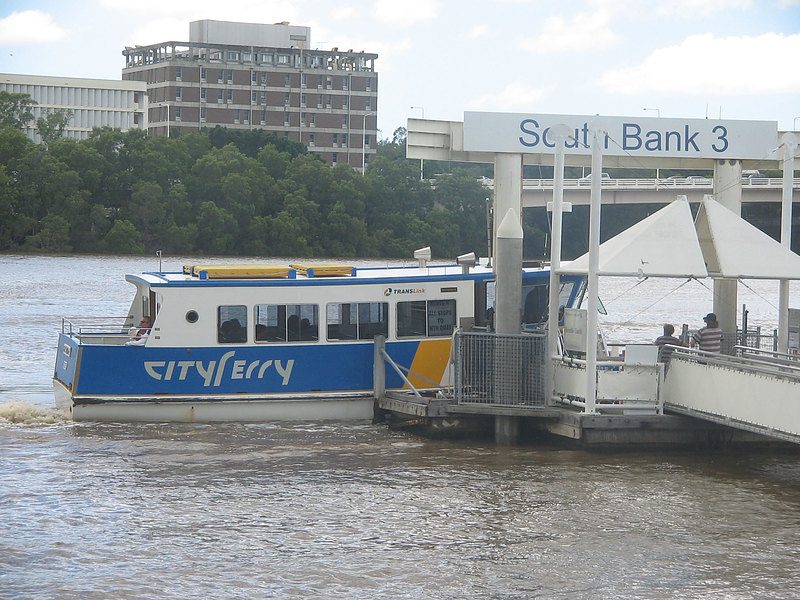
[(669, 244)]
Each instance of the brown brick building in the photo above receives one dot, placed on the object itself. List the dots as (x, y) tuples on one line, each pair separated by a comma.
[(252, 76)]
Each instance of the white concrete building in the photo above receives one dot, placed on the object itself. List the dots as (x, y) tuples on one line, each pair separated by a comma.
[(93, 102)]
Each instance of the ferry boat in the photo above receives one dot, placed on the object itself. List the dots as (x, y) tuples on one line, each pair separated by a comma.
[(279, 342)]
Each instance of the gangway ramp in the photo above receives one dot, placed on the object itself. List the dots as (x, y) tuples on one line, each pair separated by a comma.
[(753, 390)]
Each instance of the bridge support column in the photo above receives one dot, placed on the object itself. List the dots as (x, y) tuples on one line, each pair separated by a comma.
[(728, 192)]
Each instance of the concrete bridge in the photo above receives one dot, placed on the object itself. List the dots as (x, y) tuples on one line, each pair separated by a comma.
[(538, 192)]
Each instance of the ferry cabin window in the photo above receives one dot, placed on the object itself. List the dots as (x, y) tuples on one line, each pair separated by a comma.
[(232, 324), (287, 322), (535, 301), (420, 318), (357, 320)]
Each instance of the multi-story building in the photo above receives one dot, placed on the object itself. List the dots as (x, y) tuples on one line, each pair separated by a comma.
[(92, 102), (253, 76)]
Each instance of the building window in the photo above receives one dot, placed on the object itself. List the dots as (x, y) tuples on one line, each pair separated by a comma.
[(369, 84), (319, 82), (230, 76), (283, 59), (263, 117), (287, 99), (267, 58), (178, 93), (344, 121), (302, 119), (178, 73), (264, 98), (312, 139), (264, 78), (319, 100), (220, 76), (203, 74), (288, 80), (230, 96), (232, 324), (369, 104), (357, 320), (220, 96), (303, 99), (203, 94), (304, 80), (286, 121), (233, 56), (253, 97), (247, 57), (178, 112), (329, 82), (366, 141), (202, 114), (313, 120), (344, 140), (237, 117), (344, 102), (334, 159), (254, 77), (345, 83), (335, 140)]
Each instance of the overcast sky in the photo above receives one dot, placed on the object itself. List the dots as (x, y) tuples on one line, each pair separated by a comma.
[(735, 59)]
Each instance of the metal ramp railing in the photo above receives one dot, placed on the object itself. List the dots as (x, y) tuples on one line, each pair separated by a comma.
[(753, 390)]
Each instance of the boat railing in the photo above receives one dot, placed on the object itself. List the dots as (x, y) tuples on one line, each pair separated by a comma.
[(108, 331), (750, 360)]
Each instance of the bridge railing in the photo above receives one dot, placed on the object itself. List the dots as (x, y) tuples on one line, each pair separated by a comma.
[(748, 360), (648, 183)]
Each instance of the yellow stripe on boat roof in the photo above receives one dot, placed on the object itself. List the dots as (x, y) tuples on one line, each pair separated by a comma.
[(238, 271), (323, 269)]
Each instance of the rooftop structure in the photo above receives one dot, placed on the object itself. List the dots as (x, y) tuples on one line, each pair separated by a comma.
[(93, 102), (255, 76)]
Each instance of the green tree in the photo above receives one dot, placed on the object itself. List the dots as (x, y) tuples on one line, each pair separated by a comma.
[(52, 237), (122, 239), (15, 110), (51, 127)]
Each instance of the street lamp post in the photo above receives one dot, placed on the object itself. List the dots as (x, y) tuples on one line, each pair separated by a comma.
[(421, 161)]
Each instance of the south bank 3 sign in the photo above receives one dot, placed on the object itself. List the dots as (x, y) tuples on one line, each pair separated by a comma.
[(623, 136)]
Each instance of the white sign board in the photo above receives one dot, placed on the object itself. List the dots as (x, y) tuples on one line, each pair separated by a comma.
[(575, 330), (624, 136)]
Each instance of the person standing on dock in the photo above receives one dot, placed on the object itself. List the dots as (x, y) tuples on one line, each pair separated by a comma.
[(664, 341), (709, 338)]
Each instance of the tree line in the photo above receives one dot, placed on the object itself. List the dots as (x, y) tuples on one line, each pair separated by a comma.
[(226, 192), (253, 193)]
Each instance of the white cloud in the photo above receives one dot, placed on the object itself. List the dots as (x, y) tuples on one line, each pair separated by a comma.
[(406, 12), (515, 96), (478, 31), (701, 8), (248, 11), (703, 65), (586, 31), (344, 13), (29, 27)]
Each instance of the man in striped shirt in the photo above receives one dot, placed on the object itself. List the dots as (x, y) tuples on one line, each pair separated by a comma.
[(709, 338)]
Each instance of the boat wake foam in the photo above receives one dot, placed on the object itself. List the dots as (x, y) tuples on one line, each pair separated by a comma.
[(26, 413)]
